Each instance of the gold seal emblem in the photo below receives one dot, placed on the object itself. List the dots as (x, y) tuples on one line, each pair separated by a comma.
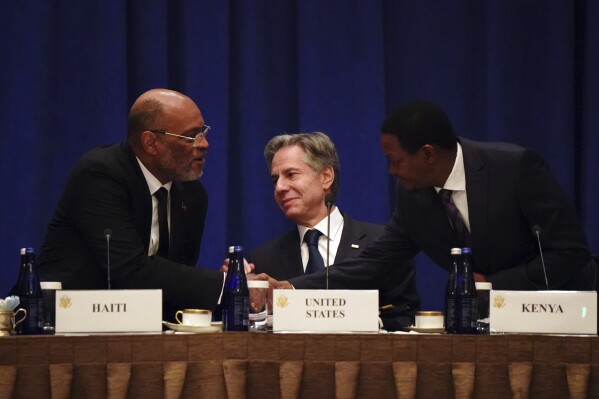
[(282, 301), (498, 301), (65, 302)]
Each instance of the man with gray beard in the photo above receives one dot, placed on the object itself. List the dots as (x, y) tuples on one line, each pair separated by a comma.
[(155, 240)]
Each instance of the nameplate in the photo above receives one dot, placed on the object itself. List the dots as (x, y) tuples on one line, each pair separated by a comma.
[(543, 312), (325, 310), (108, 311)]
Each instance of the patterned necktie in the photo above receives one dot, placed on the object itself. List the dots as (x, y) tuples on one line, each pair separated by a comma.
[(163, 235), (455, 218), (315, 261)]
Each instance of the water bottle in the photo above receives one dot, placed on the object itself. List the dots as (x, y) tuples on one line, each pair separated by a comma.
[(466, 300), (236, 299), (30, 294), (451, 292)]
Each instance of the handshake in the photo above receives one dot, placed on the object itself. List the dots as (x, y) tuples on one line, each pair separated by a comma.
[(257, 296), (249, 272)]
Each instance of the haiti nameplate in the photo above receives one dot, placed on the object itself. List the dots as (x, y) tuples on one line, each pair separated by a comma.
[(325, 310), (543, 312), (108, 311)]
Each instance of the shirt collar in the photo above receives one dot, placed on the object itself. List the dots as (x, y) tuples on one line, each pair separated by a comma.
[(456, 181), (153, 183), (336, 224)]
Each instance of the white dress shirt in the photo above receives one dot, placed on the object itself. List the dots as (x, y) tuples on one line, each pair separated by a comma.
[(153, 185), (336, 230), (456, 182)]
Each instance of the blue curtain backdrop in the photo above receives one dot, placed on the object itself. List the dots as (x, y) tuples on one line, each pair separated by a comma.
[(521, 71)]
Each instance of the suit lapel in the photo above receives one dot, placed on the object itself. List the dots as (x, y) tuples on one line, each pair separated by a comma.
[(141, 199), (178, 213), (435, 215), (477, 181), (351, 239), (290, 256)]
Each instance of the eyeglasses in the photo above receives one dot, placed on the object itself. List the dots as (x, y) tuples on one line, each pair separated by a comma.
[(191, 138)]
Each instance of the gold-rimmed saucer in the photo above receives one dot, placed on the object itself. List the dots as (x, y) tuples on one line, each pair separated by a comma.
[(426, 330), (193, 329)]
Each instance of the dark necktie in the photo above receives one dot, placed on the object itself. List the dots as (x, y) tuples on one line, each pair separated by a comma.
[(315, 261), (162, 196), (455, 218)]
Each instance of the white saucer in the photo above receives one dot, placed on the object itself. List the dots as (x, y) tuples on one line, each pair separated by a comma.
[(193, 329), (426, 330)]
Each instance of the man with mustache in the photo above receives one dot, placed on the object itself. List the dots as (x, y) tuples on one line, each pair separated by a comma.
[(118, 187)]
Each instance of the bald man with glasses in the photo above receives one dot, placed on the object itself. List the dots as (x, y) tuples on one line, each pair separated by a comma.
[(146, 194)]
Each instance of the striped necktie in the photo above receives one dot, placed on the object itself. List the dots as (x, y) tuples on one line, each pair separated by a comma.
[(455, 218)]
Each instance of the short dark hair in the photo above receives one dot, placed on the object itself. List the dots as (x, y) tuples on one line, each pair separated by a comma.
[(319, 148), (420, 122), (144, 116)]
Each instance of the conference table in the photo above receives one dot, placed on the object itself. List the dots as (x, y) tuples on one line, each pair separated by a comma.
[(275, 365)]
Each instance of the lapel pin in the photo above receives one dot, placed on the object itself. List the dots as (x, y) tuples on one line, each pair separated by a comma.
[(355, 246)]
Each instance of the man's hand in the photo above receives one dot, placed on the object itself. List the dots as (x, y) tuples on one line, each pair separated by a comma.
[(280, 285), (479, 278), (249, 267), (274, 284)]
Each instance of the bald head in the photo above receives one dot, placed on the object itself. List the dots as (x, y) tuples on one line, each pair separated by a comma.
[(151, 108)]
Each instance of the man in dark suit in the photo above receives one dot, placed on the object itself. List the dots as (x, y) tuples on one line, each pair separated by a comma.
[(305, 168), (500, 190), (115, 188)]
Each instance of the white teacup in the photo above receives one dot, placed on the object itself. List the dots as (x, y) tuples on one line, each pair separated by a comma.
[(429, 320), (194, 317)]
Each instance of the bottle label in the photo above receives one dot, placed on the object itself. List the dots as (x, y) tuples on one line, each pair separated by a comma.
[(474, 312), (450, 321), (468, 312), (236, 313), (34, 321), (241, 306)]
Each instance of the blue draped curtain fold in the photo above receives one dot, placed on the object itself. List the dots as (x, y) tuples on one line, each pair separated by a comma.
[(520, 71)]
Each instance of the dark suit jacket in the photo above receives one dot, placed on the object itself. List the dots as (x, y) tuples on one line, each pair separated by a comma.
[(107, 189), (509, 189), (281, 259)]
